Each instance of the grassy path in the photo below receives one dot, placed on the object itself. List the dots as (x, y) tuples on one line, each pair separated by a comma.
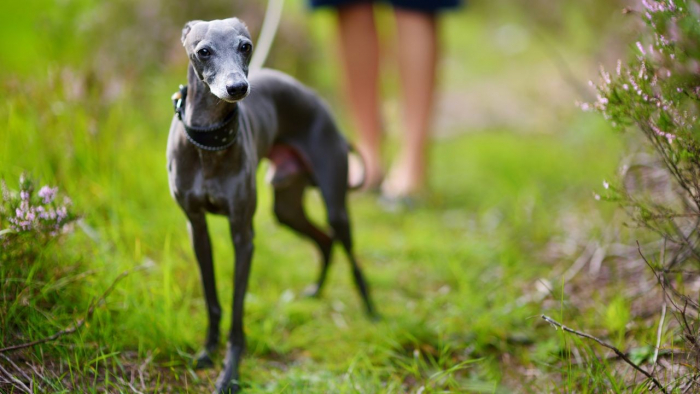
[(460, 280), (450, 277)]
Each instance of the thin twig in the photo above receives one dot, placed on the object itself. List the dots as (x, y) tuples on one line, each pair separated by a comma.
[(77, 325), (131, 386), (18, 369), (658, 337), (667, 287), (142, 368), (14, 380), (609, 346), (42, 377), (662, 355), (21, 371)]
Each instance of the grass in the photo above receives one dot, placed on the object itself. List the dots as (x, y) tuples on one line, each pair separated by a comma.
[(446, 276), (453, 278)]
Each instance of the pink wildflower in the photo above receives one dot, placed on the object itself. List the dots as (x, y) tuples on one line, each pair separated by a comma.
[(641, 48), (48, 194)]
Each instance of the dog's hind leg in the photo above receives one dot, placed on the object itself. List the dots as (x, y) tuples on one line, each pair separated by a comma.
[(199, 235), (333, 182), (289, 210), (340, 223)]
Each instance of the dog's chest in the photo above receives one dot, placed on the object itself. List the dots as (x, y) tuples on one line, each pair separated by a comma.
[(216, 187), (211, 195)]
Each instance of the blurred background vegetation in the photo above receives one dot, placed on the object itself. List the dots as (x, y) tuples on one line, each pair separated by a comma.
[(511, 219)]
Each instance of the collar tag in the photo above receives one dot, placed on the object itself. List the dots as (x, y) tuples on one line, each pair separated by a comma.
[(179, 101)]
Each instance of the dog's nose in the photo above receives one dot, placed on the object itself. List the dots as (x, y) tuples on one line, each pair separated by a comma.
[(236, 89)]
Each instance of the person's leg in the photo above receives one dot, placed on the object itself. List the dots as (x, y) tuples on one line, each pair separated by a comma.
[(417, 50), (360, 56)]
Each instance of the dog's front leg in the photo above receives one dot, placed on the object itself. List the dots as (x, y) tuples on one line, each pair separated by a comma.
[(242, 234), (199, 234)]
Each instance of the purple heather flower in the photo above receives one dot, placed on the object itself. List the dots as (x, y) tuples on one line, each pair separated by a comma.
[(62, 213), (670, 137), (48, 194), (641, 48), (43, 214)]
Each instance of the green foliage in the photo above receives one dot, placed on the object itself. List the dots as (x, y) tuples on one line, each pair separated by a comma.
[(617, 315), (657, 94), (89, 109)]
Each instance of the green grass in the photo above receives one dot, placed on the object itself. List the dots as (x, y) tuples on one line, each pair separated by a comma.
[(446, 276), (449, 276)]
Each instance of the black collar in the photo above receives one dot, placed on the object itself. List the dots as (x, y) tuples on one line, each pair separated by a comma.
[(217, 137)]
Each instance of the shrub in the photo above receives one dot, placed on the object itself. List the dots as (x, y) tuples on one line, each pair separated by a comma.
[(657, 93), (30, 219)]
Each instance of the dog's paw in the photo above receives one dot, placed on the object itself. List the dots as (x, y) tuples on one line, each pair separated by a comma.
[(229, 387), (202, 360), (312, 291), (374, 317)]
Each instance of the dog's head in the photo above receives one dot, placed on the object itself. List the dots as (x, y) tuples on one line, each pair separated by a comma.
[(219, 52)]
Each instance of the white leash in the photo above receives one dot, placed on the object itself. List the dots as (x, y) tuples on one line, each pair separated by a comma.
[(273, 14)]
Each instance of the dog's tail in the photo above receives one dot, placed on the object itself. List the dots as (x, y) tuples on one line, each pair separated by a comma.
[(357, 169)]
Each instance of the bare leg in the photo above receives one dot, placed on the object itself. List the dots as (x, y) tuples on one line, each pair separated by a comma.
[(417, 48), (360, 56)]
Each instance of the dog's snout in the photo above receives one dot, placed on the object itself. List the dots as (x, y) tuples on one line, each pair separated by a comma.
[(237, 88)]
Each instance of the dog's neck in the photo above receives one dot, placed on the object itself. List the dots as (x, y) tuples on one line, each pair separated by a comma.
[(203, 108)]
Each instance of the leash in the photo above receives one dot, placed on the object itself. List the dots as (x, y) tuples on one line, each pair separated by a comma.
[(273, 15)]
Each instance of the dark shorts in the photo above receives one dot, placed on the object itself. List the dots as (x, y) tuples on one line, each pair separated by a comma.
[(430, 6)]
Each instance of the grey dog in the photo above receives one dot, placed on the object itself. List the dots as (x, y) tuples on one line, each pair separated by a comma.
[(215, 144)]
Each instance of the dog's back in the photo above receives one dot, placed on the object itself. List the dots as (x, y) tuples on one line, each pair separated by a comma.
[(287, 113)]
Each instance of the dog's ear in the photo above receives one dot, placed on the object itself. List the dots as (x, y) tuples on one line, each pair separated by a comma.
[(241, 25), (186, 30)]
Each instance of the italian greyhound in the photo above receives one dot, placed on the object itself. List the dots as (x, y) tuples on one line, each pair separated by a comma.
[(215, 144)]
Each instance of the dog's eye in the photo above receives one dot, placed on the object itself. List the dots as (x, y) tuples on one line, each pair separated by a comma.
[(204, 53), (246, 47)]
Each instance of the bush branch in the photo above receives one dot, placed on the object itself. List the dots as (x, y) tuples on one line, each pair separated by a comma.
[(609, 346)]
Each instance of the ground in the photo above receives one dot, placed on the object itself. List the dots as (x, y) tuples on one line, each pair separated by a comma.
[(509, 229)]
